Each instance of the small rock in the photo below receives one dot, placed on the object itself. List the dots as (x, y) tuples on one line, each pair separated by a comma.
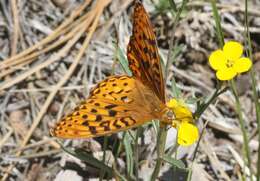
[(68, 175)]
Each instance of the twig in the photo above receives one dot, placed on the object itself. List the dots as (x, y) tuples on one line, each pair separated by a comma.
[(26, 59), (15, 28), (5, 138), (214, 159), (240, 161), (100, 5), (78, 32), (42, 154), (49, 38), (230, 7)]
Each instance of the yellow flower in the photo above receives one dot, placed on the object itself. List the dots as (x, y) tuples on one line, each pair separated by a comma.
[(228, 62), (188, 133)]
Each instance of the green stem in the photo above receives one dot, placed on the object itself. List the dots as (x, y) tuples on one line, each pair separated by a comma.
[(196, 150), (118, 175), (246, 149), (204, 106), (161, 139), (174, 149), (177, 18), (173, 5), (218, 24), (102, 173), (221, 44), (197, 146), (257, 107), (252, 75), (136, 151)]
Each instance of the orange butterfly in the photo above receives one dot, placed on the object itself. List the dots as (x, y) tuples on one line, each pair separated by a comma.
[(122, 102)]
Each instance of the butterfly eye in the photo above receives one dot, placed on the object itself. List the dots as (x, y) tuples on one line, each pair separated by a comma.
[(170, 115)]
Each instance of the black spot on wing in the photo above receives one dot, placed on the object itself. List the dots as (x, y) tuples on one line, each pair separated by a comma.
[(105, 125), (124, 121), (123, 78), (116, 125), (97, 91), (85, 123), (98, 118), (92, 129), (145, 50), (146, 64), (112, 112), (85, 116), (110, 106), (91, 101), (93, 110), (97, 104)]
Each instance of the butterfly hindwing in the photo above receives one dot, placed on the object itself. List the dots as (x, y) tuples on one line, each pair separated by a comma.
[(89, 120), (115, 104)]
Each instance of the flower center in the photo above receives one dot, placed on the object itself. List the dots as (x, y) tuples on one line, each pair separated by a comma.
[(230, 63)]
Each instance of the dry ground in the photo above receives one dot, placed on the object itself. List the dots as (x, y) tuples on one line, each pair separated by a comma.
[(52, 68)]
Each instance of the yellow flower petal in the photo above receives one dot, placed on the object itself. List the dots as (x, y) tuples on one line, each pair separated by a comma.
[(180, 110), (226, 74), (187, 134), (233, 50), (172, 103), (183, 114), (242, 65), (217, 60)]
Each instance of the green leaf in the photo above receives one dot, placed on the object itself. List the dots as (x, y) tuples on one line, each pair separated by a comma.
[(123, 60), (129, 153), (192, 100), (218, 23), (163, 6), (156, 126), (176, 92), (173, 5), (120, 177), (84, 156), (177, 50), (174, 162)]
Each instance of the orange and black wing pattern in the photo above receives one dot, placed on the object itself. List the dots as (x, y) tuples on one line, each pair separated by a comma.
[(122, 102), (115, 104), (142, 53)]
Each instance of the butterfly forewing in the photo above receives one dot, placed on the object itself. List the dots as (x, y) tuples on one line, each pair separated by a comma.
[(117, 103), (142, 53)]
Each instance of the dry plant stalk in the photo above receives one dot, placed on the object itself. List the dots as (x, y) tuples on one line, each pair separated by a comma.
[(67, 30), (87, 25)]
